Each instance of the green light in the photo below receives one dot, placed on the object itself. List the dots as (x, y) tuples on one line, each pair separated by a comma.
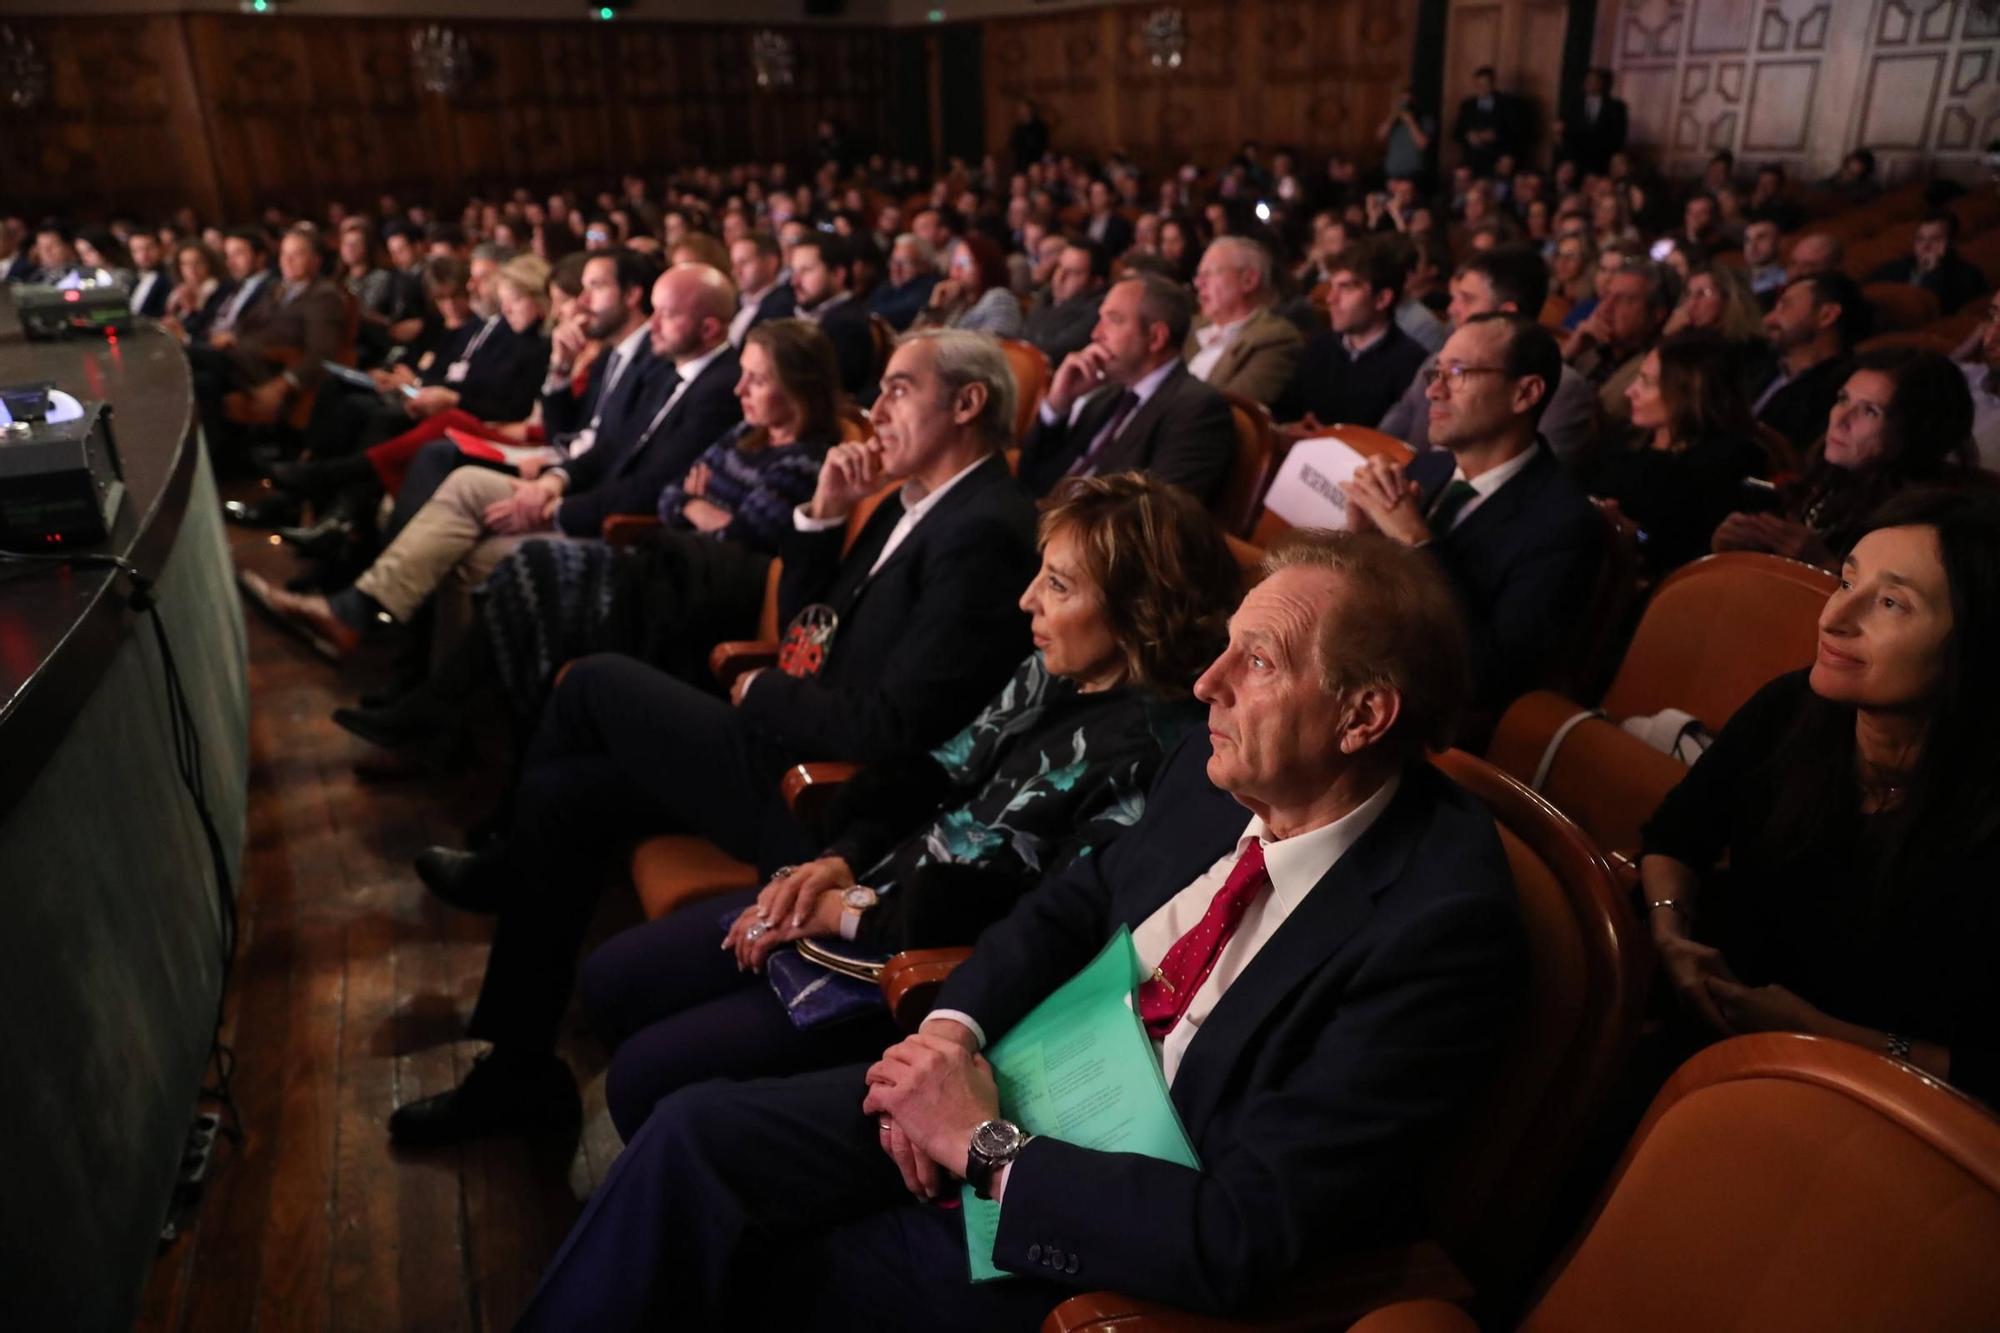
[(605, 13), (936, 16), (260, 5)]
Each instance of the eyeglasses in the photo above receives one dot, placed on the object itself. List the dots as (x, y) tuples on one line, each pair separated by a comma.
[(1454, 376)]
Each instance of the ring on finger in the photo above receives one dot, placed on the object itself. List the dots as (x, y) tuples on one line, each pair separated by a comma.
[(755, 931)]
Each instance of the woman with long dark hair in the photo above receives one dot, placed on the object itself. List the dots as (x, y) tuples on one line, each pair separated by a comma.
[(1903, 419), (1832, 864), (974, 293), (1693, 443)]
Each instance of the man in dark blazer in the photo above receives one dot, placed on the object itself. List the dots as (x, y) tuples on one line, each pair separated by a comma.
[(1064, 323), (890, 648), (1935, 264), (763, 289), (1105, 225), (822, 277), (152, 281), (1127, 401), (1518, 539), (1594, 126), (1346, 937)]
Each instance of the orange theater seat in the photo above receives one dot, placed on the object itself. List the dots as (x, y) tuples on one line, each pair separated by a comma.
[(1785, 1184)]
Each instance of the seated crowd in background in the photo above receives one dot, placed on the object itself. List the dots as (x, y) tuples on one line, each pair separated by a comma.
[(559, 448)]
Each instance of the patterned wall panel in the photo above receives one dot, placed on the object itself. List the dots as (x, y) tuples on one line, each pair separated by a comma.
[(1805, 81)]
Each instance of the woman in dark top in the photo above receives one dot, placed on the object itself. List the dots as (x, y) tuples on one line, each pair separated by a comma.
[(1857, 806), (696, 580), (1903, 419), (1693, 445), (1131, 603)]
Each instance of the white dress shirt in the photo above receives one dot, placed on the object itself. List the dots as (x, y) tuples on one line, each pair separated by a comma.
[(233, 309), (1215, 340), (144, 287), (621, 358), (1486, 483), (746, 313), (913, 514), (1148, 385)]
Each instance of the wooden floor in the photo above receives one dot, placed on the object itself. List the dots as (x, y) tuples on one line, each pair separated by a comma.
[(350, 993)]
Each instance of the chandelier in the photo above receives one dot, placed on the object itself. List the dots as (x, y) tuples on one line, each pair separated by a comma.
[(772, 59), (24, 75), (441, 59), (1165, 37)]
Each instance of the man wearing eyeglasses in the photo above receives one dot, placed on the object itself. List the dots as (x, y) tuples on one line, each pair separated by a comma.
[(1516, 535)]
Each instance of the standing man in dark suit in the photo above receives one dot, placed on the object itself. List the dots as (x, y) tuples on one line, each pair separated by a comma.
[(1516, 536), (151, 282), (822, 271), (1488, 125), (763, 292), (1335, 951), (1127, 401), (910, 630), (478, 516), (1594, 126)]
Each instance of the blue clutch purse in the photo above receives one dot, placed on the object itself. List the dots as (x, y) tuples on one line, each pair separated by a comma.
[(821, 982)]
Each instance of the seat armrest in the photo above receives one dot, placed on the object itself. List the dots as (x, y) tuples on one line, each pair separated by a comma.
[(730, 659), (911, 979), (1417, 1317), (808, 788), (626, 529), (1350, 1287)]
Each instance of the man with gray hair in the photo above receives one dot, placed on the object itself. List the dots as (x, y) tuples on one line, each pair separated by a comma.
[(913, 271), (890, 646), (1239, 345), (1126, 400)]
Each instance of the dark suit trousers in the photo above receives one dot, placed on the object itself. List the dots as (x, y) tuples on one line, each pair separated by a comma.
[(623, 752), (769, 1204), (675, 1010), (215, 375)]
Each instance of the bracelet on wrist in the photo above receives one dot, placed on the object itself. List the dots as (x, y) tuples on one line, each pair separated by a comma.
[(1671, 904)]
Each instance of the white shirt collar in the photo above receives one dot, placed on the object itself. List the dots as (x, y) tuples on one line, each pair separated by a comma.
[(1297, 863), (688, 370), (1208, 335), (914, 510), (628, 346), (1149, 384), (1493, 478)]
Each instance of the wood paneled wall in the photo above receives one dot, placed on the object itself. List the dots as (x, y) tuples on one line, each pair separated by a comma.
[(1523, 41), (1320, 74), (230, 113)]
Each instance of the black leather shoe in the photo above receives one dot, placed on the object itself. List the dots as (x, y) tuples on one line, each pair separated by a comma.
[(325, 540), (468, 881), (503, 1094), (271, 512)]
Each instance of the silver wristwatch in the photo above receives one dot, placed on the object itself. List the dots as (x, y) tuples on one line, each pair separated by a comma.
[(853, 902), (994, 1144)]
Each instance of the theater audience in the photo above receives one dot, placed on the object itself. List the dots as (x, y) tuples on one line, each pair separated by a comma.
[(478, 516), (1130, 606), (1510, 280), (698, 579), (1077, 283), (198, 296), (1813, 329), (1491, 504), (1691, 446), (1342, 666), (1126, 400), (1935, 264), (1900, 419), (1239, 344), (1356, 370), (1823, 868), (895, 643)]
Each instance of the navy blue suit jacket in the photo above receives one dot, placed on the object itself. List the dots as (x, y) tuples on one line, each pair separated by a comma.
[(1313, 1091), (564, 413), (1523, 563), (625, 474), (922, 642)]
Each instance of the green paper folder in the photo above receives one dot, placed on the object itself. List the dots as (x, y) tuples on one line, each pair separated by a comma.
[(1081, 1068)]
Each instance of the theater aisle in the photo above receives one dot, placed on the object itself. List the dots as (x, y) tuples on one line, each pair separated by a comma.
[(349, 996)]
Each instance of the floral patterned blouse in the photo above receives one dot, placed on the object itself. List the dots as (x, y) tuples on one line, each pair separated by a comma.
[(1045, 774)]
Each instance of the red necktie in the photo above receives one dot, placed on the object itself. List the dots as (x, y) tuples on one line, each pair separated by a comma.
[(1164, 996)]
